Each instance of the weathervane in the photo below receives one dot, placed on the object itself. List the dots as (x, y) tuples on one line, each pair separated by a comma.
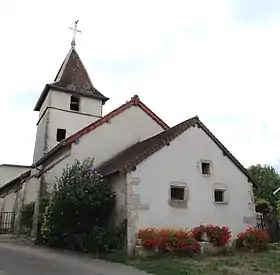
[(75, 31)]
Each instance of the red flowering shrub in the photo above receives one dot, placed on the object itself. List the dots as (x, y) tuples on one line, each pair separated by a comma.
[(198, 231), (218, 235), (168, 240), (253, 238), (149, 238)]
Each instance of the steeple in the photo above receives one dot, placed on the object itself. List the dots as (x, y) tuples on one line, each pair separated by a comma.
[(67, 104), (72, 77)]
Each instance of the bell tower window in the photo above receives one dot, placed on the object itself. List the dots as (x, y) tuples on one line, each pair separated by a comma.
[(74, 103)]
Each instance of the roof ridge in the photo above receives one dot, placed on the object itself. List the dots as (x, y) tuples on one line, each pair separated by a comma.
[(62, 67)]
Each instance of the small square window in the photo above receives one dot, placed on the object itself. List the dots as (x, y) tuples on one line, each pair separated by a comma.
[(205, 168), (219, 195), (60, 134), (177, 193)]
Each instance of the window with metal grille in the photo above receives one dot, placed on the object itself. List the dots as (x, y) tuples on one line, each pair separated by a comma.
[(219, 195)]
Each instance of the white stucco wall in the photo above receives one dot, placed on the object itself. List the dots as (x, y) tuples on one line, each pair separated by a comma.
[(7, 172), (41, 136), (46, 103), (9, 202), (124, 130), (108, 139), (87, 105), (31, 189), (71, 121), (179, 163)]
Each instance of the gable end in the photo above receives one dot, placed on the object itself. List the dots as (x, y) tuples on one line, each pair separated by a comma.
[(227, 153)]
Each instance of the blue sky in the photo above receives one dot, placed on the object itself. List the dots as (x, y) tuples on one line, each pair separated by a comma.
[(216, 59)]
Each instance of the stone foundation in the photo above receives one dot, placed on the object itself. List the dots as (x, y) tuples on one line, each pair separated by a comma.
[(206, 248)]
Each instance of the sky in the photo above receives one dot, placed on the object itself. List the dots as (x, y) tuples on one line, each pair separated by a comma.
[(217, 59)]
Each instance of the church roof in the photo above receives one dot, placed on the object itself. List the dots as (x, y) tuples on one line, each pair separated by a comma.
[(135, 101), (128, 159), (73, 78)]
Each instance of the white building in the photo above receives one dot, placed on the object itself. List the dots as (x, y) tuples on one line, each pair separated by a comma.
[(163, 177)]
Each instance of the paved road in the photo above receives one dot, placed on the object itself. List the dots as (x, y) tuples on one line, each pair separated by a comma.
[(18, 259)]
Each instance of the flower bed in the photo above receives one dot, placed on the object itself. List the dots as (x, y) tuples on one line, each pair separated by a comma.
[(216, 235), (253, 239), (206, 239), (177, 240)]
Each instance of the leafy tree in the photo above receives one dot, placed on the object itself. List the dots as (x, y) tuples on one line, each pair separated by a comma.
[(268, 181), (79, 209)]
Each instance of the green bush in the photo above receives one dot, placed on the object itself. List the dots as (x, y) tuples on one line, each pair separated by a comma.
[(79, 210), (26, 217), (42, 207)]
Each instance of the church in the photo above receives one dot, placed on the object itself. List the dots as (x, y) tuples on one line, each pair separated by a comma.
[(163, 176)]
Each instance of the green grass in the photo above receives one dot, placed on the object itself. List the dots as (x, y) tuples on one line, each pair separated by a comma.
[(266, 262)]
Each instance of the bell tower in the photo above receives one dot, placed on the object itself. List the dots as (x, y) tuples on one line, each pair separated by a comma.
[(67, 104)]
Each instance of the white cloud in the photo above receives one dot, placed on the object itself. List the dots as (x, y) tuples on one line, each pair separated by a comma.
[(184, 58)]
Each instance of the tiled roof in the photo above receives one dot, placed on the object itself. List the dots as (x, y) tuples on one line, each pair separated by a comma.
[(128, 159), (73, 78), (135, 101)]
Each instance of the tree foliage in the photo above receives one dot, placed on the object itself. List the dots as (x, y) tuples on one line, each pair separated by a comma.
[(268, 180), (79, 209)]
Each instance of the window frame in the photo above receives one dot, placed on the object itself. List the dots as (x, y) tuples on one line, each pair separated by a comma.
[(75, 103), (57, 134), (177, 203), (218, 186), (182, 189), (222, 193), (210, 168)]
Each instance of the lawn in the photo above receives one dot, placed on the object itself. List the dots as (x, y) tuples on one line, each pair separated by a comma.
[(266, 262)]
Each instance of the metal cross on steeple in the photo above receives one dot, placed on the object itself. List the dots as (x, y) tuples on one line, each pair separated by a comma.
[(75, 31)]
